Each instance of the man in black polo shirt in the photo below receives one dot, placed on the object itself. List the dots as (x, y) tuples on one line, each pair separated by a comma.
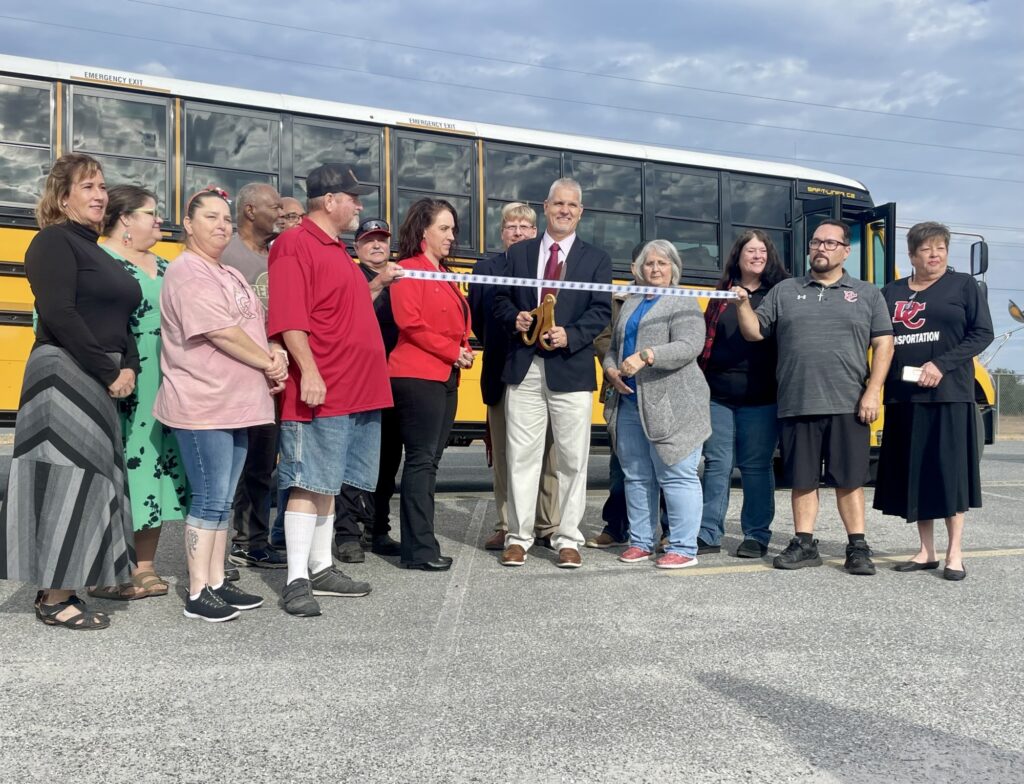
[(824, 323)]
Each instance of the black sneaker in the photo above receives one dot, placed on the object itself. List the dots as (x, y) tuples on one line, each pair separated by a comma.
[(385, 545), (348, 552), (208, 606), (231, 574), (858, 558), (703, 548), (237, 598), (298, 599), (331, 582), (262, 558), (751, 548), (797, 555)]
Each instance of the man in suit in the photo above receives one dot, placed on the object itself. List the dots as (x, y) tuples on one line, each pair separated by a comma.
[(518, 223), (552, 385)]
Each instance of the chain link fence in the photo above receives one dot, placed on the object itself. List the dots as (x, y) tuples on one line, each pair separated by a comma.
[(1009, 405)]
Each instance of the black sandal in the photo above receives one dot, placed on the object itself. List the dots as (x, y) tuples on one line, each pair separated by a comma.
[(84, 620)]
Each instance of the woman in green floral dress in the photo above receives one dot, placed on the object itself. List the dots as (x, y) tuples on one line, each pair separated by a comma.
[(156, 478)]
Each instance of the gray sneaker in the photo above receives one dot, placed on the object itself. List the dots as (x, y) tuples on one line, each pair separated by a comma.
[(349, 552), (298, 599), (331, 582)]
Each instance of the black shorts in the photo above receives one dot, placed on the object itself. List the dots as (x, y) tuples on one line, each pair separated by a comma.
[(840, 441)]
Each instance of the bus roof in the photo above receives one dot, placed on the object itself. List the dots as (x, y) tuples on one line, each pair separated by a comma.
[(106, 77)]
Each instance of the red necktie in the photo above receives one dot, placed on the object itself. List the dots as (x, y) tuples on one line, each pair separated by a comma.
[(552, 271)]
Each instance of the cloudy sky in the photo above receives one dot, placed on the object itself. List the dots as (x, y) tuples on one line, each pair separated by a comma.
[(922, 100)]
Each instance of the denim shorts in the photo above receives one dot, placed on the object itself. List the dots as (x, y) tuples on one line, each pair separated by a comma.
[(322, 455)]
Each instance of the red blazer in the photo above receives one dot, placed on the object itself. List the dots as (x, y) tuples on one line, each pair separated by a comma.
[(433, 325)]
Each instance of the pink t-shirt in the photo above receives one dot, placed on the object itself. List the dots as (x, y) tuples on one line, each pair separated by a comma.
[(203, 388)]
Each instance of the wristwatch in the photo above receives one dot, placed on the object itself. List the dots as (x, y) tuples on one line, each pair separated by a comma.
[(646, 356)]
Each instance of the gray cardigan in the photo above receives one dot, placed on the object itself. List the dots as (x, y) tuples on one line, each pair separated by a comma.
[(672, 395)]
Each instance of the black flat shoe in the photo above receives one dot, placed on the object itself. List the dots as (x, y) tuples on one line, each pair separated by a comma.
[(955, 575), (914, 566), (442, 564)]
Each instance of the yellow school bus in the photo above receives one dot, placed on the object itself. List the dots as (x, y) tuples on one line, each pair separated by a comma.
[(175, 137)]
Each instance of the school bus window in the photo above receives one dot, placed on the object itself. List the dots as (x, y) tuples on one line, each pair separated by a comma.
[(682, 195), (232, 140), (608, 186), (128, 136), (133, 129), (371, 201), (515, 175), (199, 177), (463, 208), (759, 203), (314, 144), (696, 242), (24, 141), (617, 234)]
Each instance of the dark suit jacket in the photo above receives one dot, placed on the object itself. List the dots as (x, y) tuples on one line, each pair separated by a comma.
[(583, 314), (488, 330)]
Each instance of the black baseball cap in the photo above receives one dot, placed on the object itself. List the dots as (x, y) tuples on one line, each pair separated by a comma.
[(372, 226), (335, 178)]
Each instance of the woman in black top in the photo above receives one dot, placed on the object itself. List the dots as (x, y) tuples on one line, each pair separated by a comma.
[(741, 377), (928, 466), (66, 522)]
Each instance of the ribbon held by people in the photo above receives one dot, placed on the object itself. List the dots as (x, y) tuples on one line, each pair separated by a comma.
[(571, 285), (544, 319)]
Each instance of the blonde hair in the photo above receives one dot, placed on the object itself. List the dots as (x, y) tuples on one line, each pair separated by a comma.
[(67, 170), (516, 210)]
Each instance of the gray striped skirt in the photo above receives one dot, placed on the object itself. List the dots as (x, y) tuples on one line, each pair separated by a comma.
[(66, 521)]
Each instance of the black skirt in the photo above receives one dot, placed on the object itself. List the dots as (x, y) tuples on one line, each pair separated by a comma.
[(928, 466)]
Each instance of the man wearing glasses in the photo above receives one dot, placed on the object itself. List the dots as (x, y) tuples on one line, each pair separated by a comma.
[(292, 213), (824, 323), (518, 222)]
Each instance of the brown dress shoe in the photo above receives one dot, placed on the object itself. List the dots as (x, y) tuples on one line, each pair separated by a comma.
[(514, 555), (569, 559), (495, 541)]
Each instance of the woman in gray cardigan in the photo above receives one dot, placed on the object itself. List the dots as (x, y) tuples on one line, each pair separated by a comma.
[(658, 410)]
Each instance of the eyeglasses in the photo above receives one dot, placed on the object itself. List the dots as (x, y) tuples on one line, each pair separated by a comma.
[(826, 244), (523, 227), (293, 216), (156, 215)]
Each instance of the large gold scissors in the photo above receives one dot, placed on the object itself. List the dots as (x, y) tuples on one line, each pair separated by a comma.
[(544, 319)]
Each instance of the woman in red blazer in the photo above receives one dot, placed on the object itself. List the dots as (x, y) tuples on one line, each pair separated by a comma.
[(433, 346)]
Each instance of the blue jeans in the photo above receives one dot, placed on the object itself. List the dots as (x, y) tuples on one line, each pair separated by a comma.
[(645, 472), (213, 462), (745, 437)]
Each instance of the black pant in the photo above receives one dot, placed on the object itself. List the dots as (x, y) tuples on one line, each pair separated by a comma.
[(426, 413), (354, 507), (251, 515)]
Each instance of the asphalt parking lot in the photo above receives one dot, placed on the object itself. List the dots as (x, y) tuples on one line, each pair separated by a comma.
[(727, 672)]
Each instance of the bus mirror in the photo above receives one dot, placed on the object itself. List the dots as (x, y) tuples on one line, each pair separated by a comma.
[(979, 258)]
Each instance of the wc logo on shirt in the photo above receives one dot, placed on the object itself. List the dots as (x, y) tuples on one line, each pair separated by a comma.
[(906, 313)]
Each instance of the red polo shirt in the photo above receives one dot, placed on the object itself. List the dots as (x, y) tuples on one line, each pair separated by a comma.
[(315, 287)]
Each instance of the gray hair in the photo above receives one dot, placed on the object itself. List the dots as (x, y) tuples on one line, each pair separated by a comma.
[(248, 194), (664, 248), (565, 182)]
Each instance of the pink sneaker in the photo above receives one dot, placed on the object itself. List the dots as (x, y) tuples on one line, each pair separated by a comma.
[(675, 561), (634, 555)]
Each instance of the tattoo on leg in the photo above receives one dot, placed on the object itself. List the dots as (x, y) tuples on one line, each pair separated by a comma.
[(191, 542)]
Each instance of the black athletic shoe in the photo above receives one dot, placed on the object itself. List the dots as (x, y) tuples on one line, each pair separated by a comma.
[(858, 558), (385, 545), (298, 599), (208, 606), (348, 552), (797, 555), (751, 548), (262, 558), (237, 598), (231, 574), (703, 548)]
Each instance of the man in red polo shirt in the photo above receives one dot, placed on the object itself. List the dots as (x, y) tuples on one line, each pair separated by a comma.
[(322, 309)]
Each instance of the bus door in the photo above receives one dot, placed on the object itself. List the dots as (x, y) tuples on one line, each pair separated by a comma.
[(873, 241), (811, 212)]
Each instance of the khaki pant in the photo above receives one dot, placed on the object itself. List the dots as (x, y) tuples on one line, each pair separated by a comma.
[(548, 513)]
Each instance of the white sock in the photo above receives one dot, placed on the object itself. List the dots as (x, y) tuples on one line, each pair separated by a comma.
[(320, 552), (298, 533)]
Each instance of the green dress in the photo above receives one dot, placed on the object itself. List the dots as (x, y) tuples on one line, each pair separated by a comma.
[(156, 477)]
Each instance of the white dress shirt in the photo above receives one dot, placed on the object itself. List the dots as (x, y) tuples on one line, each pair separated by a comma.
[(564, 246)]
